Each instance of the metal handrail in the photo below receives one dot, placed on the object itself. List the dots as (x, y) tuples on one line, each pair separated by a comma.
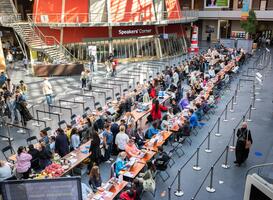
[(102, 17), (44, 39), (258, 166)]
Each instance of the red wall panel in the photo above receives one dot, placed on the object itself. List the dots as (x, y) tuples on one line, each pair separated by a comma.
[(52, 8), (74, 35), (172, 28), (76, 11)]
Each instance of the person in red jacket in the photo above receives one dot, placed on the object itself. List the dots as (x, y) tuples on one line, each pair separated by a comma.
[(156, 110), (128, 195), (152, 91)]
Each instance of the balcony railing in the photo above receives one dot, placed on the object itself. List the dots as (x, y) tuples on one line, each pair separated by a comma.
[(59, 19)]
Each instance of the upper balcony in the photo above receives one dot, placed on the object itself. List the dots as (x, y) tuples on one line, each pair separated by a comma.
[(116, 19), (262, 15)]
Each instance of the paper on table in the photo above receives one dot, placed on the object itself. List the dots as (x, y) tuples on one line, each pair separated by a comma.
[(73, 160), (128, 174), (108, 194)]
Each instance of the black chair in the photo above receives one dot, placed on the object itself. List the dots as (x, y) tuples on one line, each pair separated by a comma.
[(87, 109), (30, 139), (73, 116), (47, 129), (5, 152), (98, 106), (60, 123)]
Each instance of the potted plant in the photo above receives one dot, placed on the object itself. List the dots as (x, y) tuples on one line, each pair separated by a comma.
[(249, 25)]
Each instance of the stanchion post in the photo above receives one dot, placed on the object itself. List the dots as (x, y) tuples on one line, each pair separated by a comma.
[(196, 167), (169, 193), (253, 102), (232, 105), (249, 114), (244, 118), (232, 147), (208, 150), (235, 98), (218, 134), (225, 120), (179, 192), (210, 188), (225, 164)]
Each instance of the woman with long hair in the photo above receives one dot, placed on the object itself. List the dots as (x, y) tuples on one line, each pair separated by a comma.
[(23, 164), (156, 110), (95, 178)]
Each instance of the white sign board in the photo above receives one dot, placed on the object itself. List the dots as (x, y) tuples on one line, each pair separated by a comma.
[(92, 50), (229, 43)]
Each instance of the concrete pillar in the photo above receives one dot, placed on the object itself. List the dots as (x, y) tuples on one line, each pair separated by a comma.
[(61, 36), (110, 39), (218, 29), (192, 4), (63, 11), (157, 44)]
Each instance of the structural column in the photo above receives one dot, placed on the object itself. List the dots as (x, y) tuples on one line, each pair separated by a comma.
[(110, 33)]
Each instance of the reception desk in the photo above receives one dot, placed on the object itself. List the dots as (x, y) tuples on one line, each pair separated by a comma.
[(57, 69)]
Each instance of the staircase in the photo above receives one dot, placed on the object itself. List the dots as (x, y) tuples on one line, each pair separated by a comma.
[(32, 36), (6, 7)]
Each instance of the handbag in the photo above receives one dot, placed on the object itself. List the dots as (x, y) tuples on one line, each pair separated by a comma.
[(248, 142)]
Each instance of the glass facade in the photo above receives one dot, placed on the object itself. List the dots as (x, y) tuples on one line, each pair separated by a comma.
[(130, 48)]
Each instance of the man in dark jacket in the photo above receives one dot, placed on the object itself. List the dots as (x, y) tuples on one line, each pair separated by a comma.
[(61, 143)]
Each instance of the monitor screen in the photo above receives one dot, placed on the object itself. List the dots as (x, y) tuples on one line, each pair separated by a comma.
[(43, 189), (256, 194)]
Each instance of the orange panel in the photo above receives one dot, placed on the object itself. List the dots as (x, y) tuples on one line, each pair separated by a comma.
[(173, 9), (132, 10), (76, 11)]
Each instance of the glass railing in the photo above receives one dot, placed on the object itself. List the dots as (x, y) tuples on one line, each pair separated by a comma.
[(112, 18)]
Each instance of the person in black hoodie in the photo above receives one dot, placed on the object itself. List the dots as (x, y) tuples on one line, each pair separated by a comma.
[(44, 156), (35, 157), (61, 143)]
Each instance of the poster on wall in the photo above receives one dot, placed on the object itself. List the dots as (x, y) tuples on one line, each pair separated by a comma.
[(245, 9), (216, 3), (210, 29), (245, 44)]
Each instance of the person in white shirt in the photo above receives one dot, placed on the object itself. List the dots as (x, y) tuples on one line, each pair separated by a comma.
[(121, 139), (25, 62), (75, 139), (87, 192), (211, 72), (175, 78), (47, 91), (5, 170)]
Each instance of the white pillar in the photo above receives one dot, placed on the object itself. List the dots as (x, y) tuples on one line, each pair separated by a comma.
[(61, 36), (218, 29), (110, 39), (192, 4), (63, 11)]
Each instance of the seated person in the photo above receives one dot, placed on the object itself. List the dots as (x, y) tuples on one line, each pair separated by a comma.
[(147, 178), (120, 163), (131, 149), (193, 119), (185, 103), (175, 107), (152, 130), (5, 170), (165, 122), (161, 161), (129, 194), (95, 178), (199, 112)]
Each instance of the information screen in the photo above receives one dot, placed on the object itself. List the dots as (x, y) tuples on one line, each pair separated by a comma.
[(256, 194), (47, 189)]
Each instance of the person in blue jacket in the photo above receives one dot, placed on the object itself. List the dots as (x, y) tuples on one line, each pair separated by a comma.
[(120, 163)]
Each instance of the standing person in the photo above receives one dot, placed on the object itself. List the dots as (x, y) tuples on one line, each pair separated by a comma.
[(156, 110), (23, 164), (107, 142), (114, 67), (47, 90), (92, 61), (89, 80), (83, 78), (23, 88), (94, 150), (75, 139), (243, 144), (3, 78), (61, 143), (45, 156), (121, 139), (10, 59), (25, 62)]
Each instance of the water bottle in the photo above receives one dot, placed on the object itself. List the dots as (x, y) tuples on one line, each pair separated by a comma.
[(120, 178)]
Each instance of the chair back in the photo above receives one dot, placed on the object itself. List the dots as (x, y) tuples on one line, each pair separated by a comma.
[(30, 139), (113, 173), (5, 152)]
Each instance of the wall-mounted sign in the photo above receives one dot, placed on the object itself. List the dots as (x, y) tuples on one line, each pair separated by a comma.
[(245, 10), (134, 31), (216, 3)]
